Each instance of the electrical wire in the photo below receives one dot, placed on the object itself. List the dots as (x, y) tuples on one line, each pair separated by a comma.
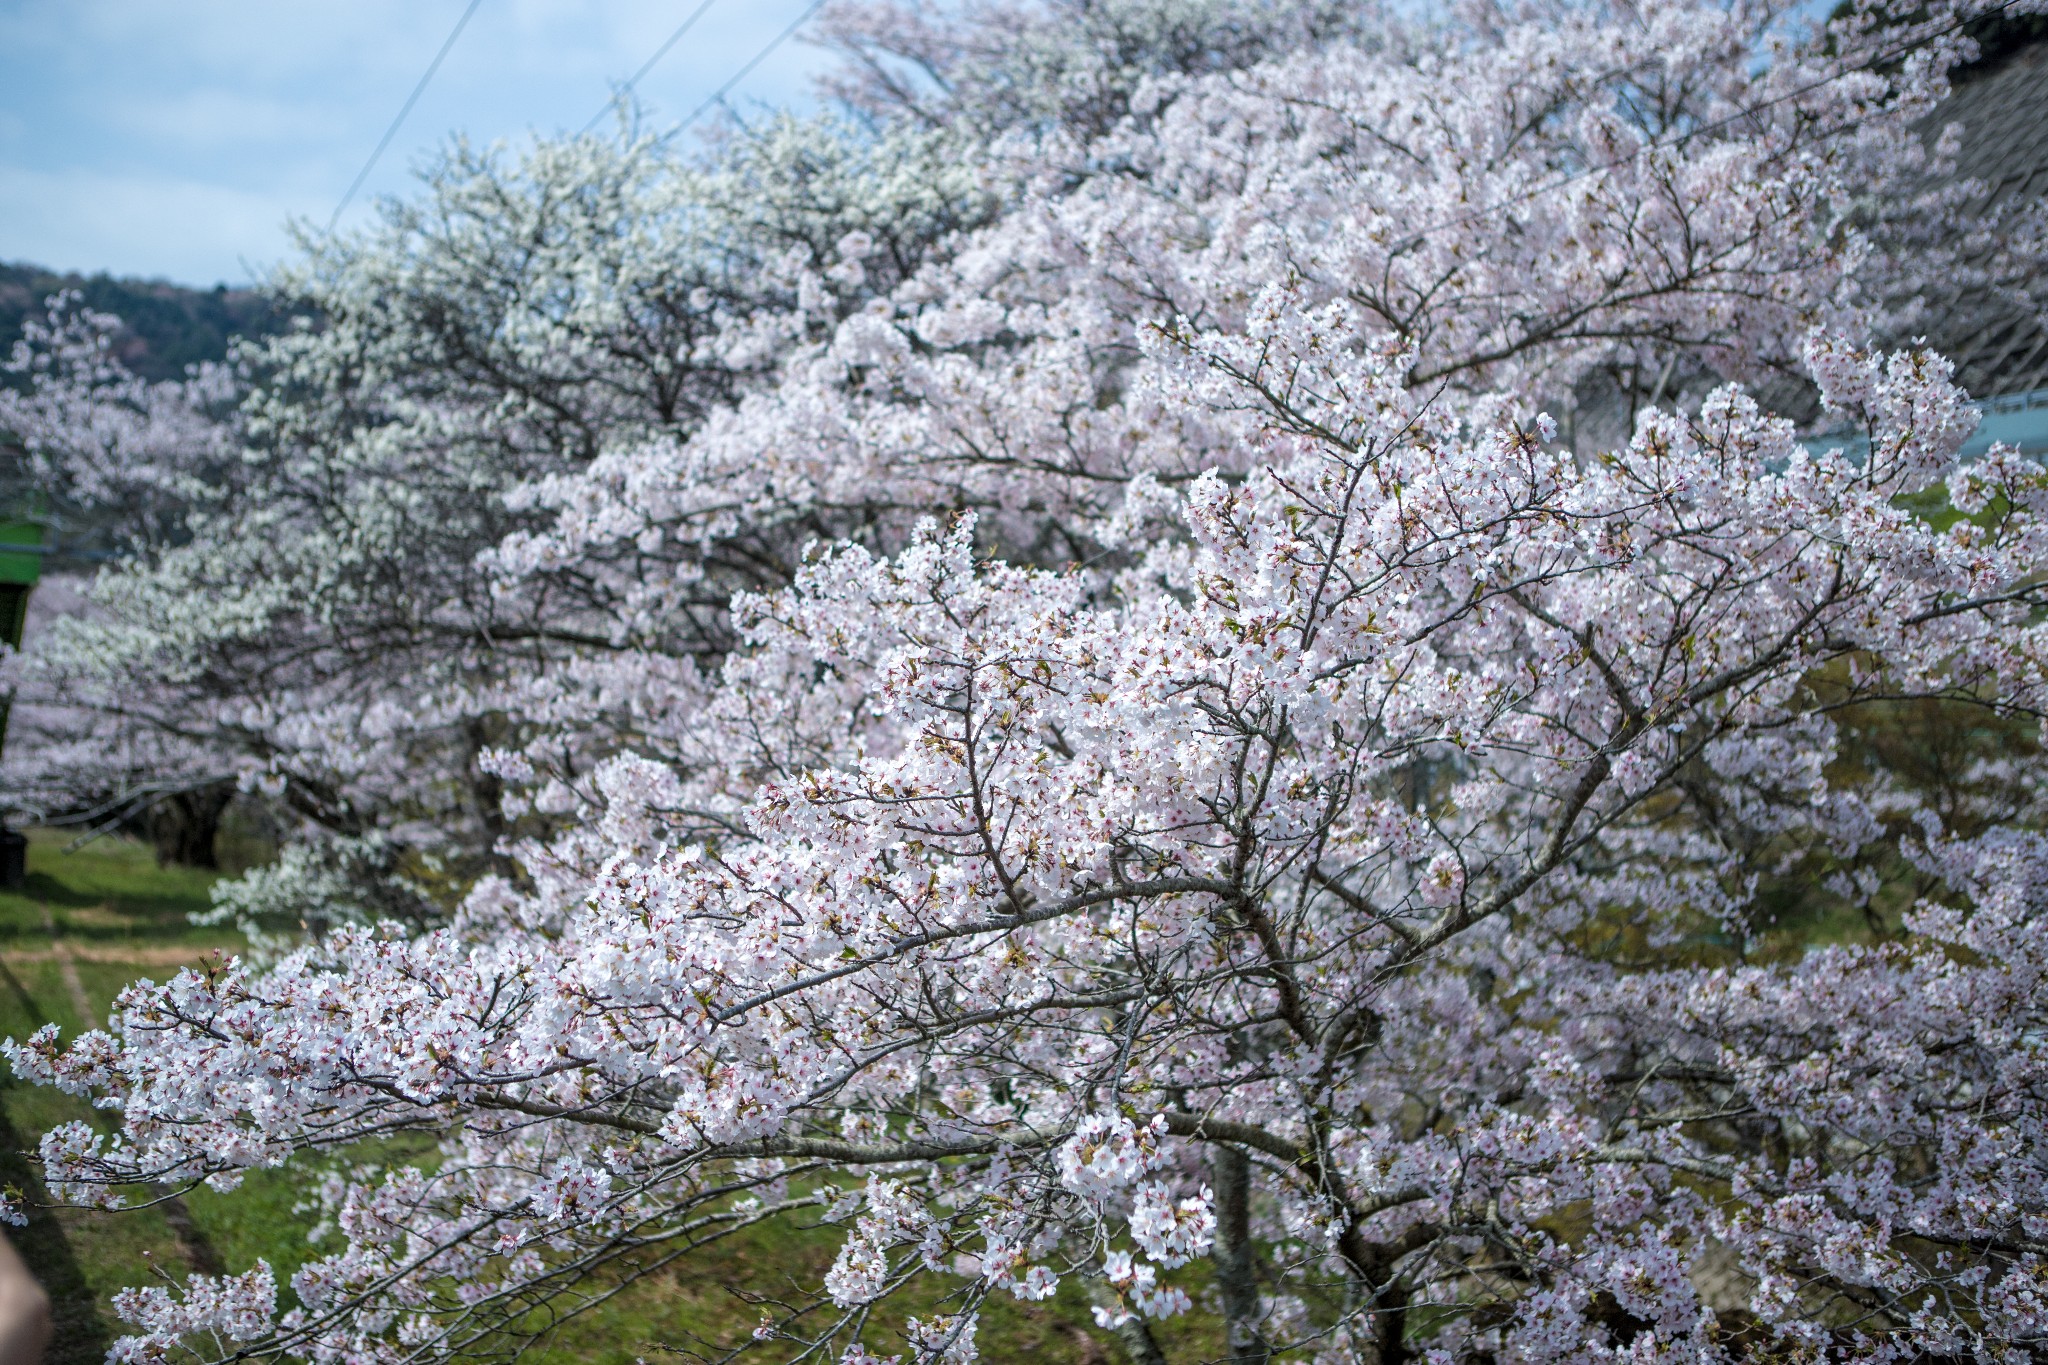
[(648, 65), (406, 108), (718, 97)]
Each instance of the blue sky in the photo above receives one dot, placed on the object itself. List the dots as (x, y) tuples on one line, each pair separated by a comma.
[(173, 138)]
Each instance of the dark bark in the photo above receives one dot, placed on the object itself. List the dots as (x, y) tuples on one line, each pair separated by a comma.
[(1386, 1293), (1236, 1278), (183, 824), (1132, 1334)]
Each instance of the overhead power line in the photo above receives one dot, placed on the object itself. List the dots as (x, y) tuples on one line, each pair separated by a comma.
[(406, 108), (719, 95), (648, 65)]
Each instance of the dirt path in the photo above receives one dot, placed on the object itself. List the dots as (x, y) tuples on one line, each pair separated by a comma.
[(126, 954), (200, 1254), (67, 970)]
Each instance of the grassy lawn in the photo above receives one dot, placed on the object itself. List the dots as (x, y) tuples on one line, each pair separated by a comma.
[(90, 921)]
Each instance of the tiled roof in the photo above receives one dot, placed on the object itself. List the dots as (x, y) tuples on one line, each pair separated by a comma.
[(1998, 346)]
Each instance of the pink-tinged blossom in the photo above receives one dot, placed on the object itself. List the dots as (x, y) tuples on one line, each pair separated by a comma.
[(1172, 1232), (1108, 1153), (229, 1309)]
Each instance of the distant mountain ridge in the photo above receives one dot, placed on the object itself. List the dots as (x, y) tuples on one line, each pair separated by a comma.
[(168, 326)]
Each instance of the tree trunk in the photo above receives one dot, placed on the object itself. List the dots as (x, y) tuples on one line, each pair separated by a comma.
[(183, 825), (1385, 1293), (1236, 1279), (1390, 1325), (1132, 1334)]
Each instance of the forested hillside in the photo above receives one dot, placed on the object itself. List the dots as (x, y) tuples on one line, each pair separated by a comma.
[(168, 326)]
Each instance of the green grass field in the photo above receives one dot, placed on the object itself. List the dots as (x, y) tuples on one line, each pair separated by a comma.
[(90, 921)]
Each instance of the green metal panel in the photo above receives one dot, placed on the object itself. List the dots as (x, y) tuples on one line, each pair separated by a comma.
[(13, 616), (21, 552)]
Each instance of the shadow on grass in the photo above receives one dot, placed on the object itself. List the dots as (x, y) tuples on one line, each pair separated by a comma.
[(81, 1336), (108, 891), (41, 886)]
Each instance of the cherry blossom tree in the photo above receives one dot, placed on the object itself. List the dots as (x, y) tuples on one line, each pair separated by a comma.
[(116, 466), (310, 615), (1536, 242), (1202, 767)]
